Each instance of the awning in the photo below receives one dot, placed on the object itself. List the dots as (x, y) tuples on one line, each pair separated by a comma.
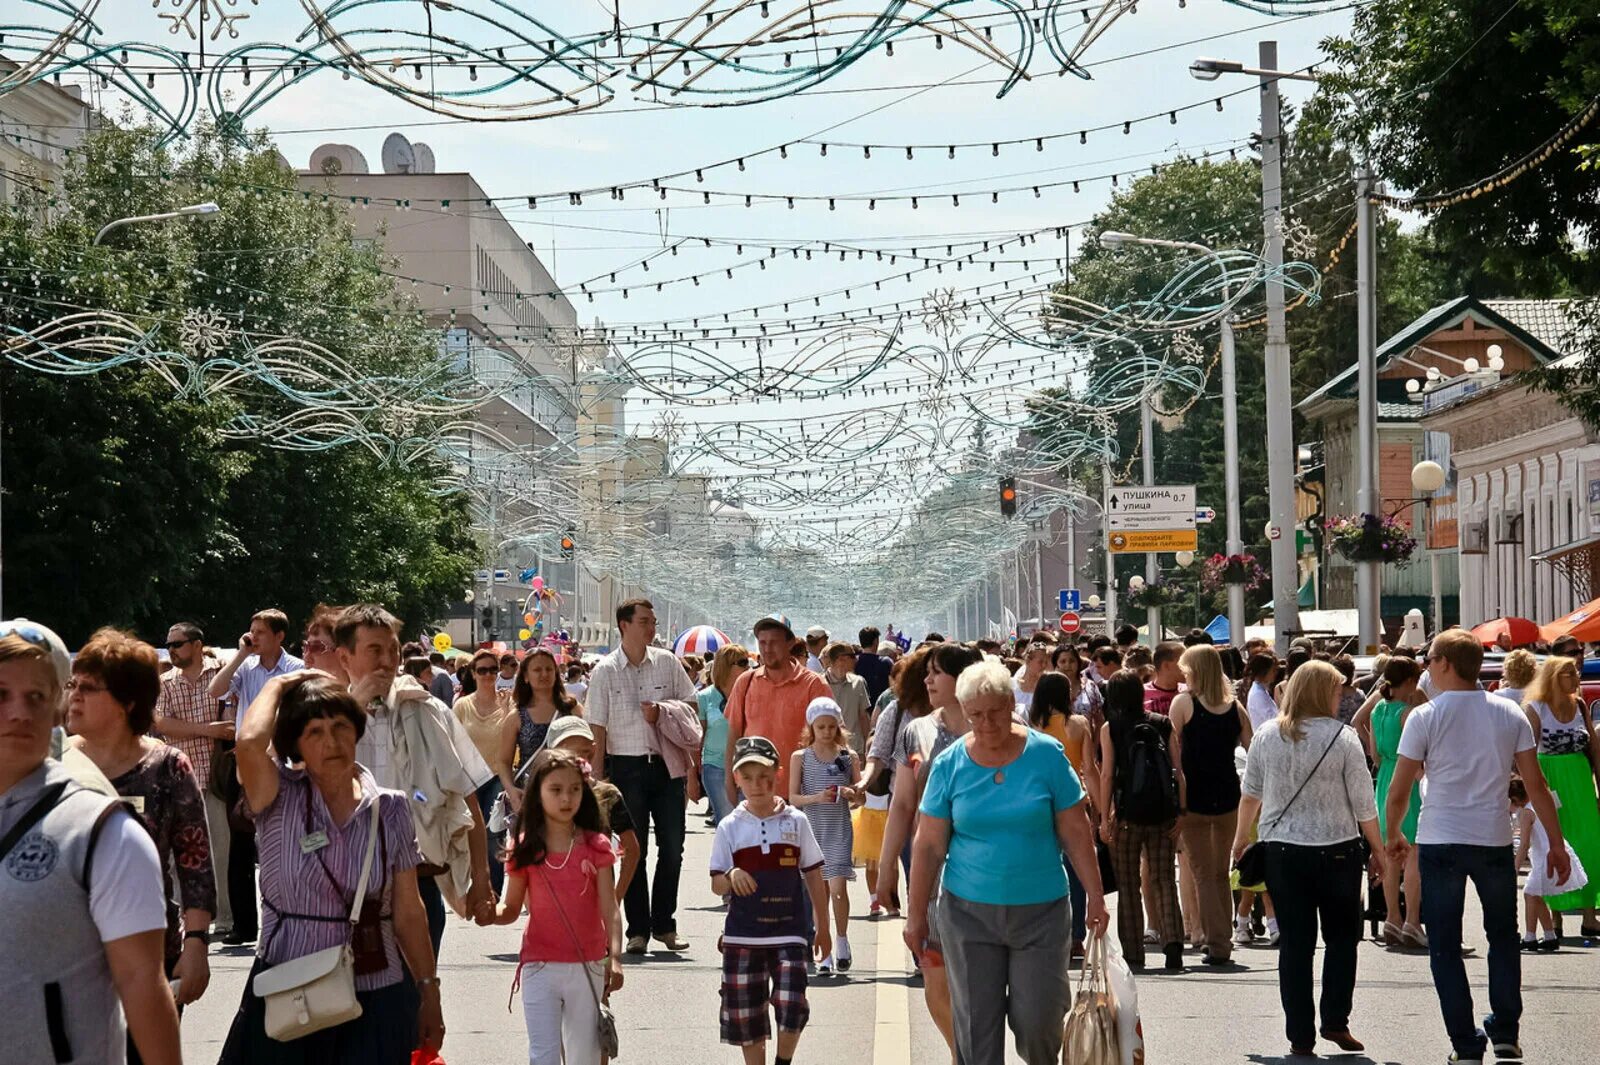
[(1578, 562), (1306, 600)]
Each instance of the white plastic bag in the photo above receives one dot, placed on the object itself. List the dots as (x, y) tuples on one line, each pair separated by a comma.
[(1119, 980)]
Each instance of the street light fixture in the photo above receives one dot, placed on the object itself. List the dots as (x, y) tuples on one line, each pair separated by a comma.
[(1230, 412), (1207, 69), (194, 210)]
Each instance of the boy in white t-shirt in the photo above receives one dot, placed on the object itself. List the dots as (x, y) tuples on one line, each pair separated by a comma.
[(1467, 741)]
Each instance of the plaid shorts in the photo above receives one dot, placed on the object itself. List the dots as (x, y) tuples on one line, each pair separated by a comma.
[(754, 976)]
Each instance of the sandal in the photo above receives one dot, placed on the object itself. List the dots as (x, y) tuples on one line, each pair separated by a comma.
[(1392, 935), (1414, 937)]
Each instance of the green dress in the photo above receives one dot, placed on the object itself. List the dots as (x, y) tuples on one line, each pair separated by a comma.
[(1386, 719), (1564, 758)]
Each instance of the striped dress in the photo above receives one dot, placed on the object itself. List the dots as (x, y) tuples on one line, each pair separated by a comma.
[(830, 821)]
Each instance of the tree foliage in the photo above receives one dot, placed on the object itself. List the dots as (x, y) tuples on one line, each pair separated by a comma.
[(126, 503), (1445, 94)]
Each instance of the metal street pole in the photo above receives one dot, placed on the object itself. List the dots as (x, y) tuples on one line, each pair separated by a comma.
[(1230, 469), (1038, 576), (1105, 518), (1280, 424), (1152, 562), (1369, 621)]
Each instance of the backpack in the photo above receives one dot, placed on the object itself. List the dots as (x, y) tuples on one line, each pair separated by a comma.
[(1147, 786)]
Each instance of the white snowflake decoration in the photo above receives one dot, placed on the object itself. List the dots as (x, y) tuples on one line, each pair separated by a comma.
[(1298, 240), (203, 332), (192, 17), (935, 405), (668, 427), (1186, 348), (942, 314)]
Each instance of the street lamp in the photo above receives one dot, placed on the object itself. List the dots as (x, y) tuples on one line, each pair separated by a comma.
[(1184, 559), (1230, 410), (1280, 425), (1135, 583), (1427, 477), (194, 210)]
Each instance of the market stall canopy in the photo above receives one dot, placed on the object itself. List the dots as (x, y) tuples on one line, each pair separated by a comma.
[(1584, 623), (1522, 631)]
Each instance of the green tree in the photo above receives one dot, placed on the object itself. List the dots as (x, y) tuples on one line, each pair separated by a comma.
[(128, 502), (1446, 94)]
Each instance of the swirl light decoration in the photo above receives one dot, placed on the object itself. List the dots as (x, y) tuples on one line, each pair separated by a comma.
[(491, 61)]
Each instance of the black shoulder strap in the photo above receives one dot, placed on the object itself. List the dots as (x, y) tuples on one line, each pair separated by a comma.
[(45, 803), (1337, 733), (94, 834)]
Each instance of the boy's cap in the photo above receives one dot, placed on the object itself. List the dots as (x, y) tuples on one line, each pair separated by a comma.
[(564, 728), (757, 749)]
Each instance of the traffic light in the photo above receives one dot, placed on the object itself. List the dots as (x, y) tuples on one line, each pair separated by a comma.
[(1008, 496), (567, 545)]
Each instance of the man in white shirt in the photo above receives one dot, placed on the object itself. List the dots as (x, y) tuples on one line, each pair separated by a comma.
[(1466, 742), (816, 642), (625, 692)]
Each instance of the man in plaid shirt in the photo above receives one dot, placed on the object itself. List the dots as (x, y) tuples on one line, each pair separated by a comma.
[(187, 716)]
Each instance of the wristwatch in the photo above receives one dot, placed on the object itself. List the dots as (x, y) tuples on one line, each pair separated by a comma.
[(198, 933)]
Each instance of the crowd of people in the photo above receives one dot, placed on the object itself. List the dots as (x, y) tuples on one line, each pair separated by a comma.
[(334, 808)]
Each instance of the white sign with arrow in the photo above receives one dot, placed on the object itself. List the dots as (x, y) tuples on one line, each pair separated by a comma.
[(1140, 508)]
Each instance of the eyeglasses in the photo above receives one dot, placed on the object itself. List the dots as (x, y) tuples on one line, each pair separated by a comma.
[(315, 646), (76, 685), (173, 645), (484, 671)]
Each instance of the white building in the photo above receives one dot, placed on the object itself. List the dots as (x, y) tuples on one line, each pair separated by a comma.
[(39, 124)]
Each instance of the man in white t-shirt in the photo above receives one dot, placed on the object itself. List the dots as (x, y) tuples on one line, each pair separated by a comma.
[(1466, 742)]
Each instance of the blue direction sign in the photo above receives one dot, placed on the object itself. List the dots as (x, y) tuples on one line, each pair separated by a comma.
[(1070, 600)]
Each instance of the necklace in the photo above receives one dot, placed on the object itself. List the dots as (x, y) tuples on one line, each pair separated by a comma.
[(565, 858)]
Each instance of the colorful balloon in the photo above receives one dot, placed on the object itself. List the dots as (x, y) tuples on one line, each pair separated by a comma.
[(538, 584), (442, 642), (524, 634)]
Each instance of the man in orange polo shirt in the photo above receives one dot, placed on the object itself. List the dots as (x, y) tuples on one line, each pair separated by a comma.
[(771, 699)]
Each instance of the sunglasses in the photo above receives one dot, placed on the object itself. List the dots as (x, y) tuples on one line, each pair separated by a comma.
[(484, 671), (315, 646), (173, 645)]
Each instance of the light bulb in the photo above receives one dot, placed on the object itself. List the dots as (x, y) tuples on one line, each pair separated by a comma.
[(1470, 365), (1413, 385), (1135, 582)]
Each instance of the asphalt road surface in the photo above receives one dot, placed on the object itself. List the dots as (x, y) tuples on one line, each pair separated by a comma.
[(667, 1012)]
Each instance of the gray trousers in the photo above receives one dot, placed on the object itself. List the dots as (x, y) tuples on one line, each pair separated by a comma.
[(1006, 964)]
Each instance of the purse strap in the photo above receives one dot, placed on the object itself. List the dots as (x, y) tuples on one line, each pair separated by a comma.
[(576, 943), (366, 862), (1284, 812), (35, 813)]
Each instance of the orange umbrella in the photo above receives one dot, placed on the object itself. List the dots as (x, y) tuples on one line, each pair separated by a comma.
[(1521, 630), (1584, 623)]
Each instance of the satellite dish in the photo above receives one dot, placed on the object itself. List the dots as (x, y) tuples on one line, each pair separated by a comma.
[(398, 158), (424, 156), (338, 159)]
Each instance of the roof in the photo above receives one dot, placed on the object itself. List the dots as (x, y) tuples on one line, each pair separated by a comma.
[(1541, 326)]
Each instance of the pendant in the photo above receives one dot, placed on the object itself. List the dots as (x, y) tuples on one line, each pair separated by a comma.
[(1000, 776)]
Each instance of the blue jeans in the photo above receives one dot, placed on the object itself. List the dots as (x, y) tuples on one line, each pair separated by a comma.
[(1445, 869), (653, 797), (714, 781), (486, 796)]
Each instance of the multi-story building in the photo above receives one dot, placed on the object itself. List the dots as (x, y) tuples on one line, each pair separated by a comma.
[(40, 122)]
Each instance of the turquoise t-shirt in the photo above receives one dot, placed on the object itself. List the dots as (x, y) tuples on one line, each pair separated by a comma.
[(715, 748), (1003, 849)]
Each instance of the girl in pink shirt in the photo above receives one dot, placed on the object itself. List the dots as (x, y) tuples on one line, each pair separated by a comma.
[(562, 864)]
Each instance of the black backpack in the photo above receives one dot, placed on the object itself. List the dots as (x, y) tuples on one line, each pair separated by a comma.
[(1147, 786)]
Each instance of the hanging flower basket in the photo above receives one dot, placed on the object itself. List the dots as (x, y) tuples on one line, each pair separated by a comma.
[(1155, 594), (1221, 570), (1371, 538)]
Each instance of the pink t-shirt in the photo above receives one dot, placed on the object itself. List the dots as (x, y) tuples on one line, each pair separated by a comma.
[(573, 884)]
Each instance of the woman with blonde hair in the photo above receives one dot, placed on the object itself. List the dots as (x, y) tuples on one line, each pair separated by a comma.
[(1207, 724), (1516, 673), (1569, 757), (1306, 780)]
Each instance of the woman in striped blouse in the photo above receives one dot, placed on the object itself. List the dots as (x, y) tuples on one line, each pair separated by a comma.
[(313, 815)]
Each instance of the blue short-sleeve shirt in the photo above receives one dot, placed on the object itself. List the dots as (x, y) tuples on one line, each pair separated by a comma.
[(1003, 849)]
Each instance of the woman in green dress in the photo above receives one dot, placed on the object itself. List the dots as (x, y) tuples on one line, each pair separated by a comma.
[(1570, 759), (1380, 722)]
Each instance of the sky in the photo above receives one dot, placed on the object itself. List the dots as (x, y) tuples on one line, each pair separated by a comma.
[(921, 95)]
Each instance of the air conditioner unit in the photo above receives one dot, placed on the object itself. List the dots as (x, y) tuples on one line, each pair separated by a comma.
[(1510, 530), (1475, 538)]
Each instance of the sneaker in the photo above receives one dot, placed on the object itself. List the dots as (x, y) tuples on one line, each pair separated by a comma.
[(841, 953), (876, 909), (1504, 1049), (1273, 937), (636, 945), (673, 941), (1152, 936), (1242, 934), (825, 967), (1457, 1059)]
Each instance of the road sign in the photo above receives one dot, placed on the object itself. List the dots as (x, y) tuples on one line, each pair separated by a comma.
[(1070, 622), (1274, 532), (1205, 515), (1070, 600), (1159, 540), (1139, 508)]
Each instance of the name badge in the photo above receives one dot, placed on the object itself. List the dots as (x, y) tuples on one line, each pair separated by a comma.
[(312, 842)]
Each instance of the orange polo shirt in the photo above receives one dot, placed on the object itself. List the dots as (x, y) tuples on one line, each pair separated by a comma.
[(762, 705)]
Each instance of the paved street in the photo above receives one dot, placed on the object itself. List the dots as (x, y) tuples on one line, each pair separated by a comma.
[(668, 1010)]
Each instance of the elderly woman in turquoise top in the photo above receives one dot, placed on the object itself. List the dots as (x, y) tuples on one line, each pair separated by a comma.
[(1001, 807), (731, 660)]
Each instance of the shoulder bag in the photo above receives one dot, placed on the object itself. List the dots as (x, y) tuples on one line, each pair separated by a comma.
[(608, 1022), (1252, 863), (317, 991)]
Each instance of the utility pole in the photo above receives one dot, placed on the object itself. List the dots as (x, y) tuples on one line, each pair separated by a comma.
[(1230, 463), (1152, 561), (1280, 423), (1111, 558), (1369, 622)]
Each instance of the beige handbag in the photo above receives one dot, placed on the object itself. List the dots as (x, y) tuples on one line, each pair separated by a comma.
[(317, 991), (1090, 1034)]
